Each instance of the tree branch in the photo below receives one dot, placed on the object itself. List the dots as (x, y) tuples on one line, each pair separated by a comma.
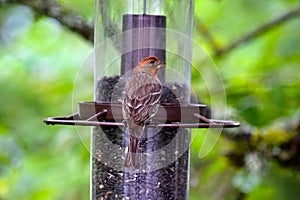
[(73, 21), (259, 31), (200, 26), (67, 17)]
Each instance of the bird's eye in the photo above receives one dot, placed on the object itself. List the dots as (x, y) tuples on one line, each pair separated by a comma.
[(152, 62)]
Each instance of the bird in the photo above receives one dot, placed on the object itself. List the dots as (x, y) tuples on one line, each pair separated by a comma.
[(140, 104)]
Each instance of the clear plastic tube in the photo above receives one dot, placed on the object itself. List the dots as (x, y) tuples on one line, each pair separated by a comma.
[(126, 32)]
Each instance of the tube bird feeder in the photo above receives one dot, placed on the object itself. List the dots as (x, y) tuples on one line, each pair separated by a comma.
[(126, 31)]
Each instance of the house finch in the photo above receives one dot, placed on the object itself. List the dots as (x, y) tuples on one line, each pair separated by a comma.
[(140, 104)]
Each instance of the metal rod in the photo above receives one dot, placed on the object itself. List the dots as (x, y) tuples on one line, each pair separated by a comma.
[(225, 124), (99, 114), (198, 116), (145, 6), (62, 121), (213, 124)]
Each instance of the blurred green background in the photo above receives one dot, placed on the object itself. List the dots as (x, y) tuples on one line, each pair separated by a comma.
[(39, 62)]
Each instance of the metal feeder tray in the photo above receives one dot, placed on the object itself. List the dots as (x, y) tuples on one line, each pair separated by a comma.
[(107, 114)]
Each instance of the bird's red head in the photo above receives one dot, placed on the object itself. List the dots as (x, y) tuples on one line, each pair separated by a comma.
[(150, 64), (148, 60)]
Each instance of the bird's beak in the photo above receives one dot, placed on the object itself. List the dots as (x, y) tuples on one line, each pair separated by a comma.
[(161, 65)]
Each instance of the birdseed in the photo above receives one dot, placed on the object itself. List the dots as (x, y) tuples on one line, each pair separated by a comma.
[(164, 154)]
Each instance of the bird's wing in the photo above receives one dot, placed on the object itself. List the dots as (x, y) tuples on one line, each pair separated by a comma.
[(141, 102)]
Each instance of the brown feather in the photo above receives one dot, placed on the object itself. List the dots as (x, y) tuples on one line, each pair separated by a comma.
[(140, 104)]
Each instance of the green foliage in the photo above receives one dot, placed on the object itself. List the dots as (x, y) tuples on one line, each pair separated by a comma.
[(39, 61)]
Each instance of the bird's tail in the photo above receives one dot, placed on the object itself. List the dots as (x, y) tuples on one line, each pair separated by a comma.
[(133, 154), (132, 158)]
